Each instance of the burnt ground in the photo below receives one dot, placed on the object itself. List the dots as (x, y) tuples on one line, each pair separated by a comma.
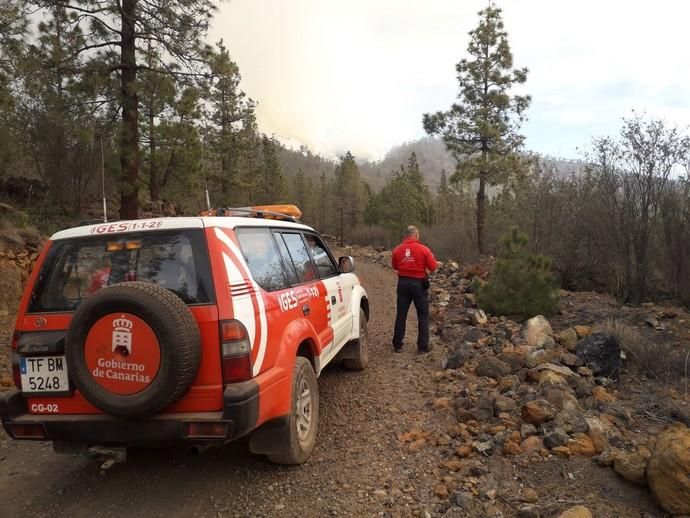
[(359, 467)]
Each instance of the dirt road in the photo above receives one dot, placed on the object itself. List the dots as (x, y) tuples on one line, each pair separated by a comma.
[(357, 469)]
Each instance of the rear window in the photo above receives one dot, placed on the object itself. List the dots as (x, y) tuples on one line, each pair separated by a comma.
[(76, 268)]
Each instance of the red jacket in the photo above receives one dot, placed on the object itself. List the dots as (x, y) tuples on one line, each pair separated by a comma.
[(412, 259)]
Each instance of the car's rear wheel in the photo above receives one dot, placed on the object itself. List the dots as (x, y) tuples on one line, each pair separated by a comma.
[(303, 420), (360, 346)]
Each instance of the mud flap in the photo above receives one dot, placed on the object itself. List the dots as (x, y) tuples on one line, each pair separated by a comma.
[(348, 352), (268, 438)]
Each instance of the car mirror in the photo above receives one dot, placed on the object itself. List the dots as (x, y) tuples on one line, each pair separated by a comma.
[(346, 264)]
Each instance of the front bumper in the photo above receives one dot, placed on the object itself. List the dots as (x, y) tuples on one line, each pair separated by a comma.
[(240, 413)]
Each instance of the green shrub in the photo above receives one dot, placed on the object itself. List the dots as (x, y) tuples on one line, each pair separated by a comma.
[(521, 285)]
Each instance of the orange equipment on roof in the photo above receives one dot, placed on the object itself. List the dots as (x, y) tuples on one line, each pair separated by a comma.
[(290, 212)]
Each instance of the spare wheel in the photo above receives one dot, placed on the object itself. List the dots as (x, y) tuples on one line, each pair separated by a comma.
[(133, 349)]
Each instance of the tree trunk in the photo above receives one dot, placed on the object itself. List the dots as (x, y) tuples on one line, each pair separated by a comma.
[(481, 212), (129, 143)]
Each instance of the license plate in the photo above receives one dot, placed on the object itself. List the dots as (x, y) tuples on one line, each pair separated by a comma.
[(44, 374)]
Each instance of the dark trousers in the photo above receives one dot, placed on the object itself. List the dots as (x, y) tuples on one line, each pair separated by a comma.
[(412, 290)]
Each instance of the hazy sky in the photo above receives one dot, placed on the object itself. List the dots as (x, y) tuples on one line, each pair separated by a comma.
[(359, 74)]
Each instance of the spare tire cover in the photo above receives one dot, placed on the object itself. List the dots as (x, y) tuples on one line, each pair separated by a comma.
[(133, 349)]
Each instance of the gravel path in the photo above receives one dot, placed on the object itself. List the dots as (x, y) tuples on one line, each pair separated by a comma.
[(358, 468)]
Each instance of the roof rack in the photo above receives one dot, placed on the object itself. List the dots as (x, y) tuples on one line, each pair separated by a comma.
[(278, 212)]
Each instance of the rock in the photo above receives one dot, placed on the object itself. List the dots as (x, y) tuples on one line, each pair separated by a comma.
[(442, 403), (528, 511), (601, 354), (601, 395), (485, 407), (538, 411), (606, 458), (555, 438), (452, 464), (572, 418), (579, 511), (464, 450), (504, 404), (529, 495), (532, 444), (535, 357), (528, 430), (581, 444), (668, 471), (583, 331), (597, 433), (485, 447), (538, 331), (459, 356), (584, 371), (568, 338), (464, 500), (551, 378), (558, 369), (571, 360), (561, 451), (478, 317), (492, 367), (441, 491), (631, 466), (473, 335), (515, 359)]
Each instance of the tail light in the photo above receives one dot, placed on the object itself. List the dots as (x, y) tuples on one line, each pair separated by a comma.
[(16, 373), (235, 351), (15, 339)]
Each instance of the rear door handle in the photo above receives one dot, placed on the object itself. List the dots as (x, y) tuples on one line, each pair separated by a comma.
[(333, 300), (306, 310)]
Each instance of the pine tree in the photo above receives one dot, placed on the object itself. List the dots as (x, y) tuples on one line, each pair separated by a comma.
[(481, 129), (404, 200), (521, 285), (273, 187), (351, 194), (233, 119), (118, 35)]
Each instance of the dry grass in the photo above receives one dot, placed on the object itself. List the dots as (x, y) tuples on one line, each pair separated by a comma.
[(660, 360)]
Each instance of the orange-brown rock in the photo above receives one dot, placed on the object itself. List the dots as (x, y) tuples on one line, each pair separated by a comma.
[(668, 470)]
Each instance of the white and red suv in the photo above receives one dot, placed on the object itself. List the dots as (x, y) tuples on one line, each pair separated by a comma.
[(190, 329)]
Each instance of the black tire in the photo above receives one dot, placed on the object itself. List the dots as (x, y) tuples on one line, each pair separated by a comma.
[(299, 441), (178, 339), (360, 346)]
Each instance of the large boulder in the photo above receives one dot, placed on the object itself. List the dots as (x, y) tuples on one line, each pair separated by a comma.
[(601, 353), (538, 332), (668, 470)]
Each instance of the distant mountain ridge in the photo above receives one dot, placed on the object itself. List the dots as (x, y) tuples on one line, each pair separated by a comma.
[(432, 156)]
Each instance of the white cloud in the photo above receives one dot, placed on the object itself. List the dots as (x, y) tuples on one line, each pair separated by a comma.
[(358, 75)]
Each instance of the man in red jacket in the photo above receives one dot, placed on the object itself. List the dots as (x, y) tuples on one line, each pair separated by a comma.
[(413, 261)]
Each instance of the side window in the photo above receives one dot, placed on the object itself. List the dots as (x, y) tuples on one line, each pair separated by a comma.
[(300, 257), (289, 267), (262, 258), (324, 264)]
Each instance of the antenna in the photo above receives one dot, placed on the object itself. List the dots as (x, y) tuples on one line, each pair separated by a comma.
[(105, 205), (203, 172)]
